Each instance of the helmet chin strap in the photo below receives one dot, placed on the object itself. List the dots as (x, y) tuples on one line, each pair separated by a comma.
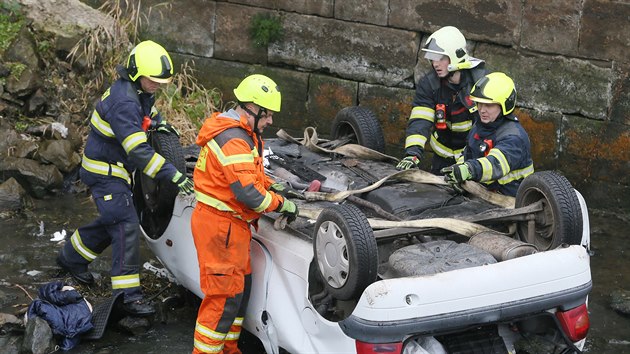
[(257, 117)]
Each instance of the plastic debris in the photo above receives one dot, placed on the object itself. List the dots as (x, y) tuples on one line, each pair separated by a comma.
[(58, 236), (160, 272)]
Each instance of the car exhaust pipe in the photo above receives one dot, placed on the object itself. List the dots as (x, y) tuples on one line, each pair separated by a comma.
[(500, 246)]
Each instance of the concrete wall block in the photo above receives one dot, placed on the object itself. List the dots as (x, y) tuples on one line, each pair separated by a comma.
[(551, 26), (595, 151), (611, 197), (620, 103), (491, 20), (232, 38), (351, 50), (604, 30), (543, 129), (392, 106), (552, 84), (323, 8), (368, 11), (194, 36), (326, 97), (226, 75)]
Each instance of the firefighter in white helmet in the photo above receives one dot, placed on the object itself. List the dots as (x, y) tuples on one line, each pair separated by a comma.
[(442, 112)]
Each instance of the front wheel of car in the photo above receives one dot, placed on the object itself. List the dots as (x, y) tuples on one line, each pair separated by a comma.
[(345, 251), (560, 221), (361, 126)]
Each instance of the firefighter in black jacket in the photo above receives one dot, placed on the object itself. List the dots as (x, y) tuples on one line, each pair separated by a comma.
[(442, 107), (498, 151), (116, 147)]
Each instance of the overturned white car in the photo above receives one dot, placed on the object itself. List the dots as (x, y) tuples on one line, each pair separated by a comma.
[(382, 261)]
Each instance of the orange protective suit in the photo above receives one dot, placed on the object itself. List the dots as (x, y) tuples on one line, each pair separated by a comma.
[(232, 192)]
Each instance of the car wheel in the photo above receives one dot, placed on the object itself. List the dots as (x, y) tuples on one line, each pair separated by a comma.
[(345, 251), (155, 198), (360, 125), (560, 221)]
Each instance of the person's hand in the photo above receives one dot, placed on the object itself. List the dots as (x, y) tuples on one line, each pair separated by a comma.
[(185, 184), (278, 188), (289, 209), (456, 174), (164, 127), (408, 162)]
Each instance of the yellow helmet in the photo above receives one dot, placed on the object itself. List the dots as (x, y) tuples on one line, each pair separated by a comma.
[(448, 41), (495, 88), (260, 90), (151, 60)]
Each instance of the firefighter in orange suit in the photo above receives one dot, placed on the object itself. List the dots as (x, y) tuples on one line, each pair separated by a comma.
[(232, 192)]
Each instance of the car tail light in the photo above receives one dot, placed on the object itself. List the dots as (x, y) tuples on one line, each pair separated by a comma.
[(379, 348), (575, 322)]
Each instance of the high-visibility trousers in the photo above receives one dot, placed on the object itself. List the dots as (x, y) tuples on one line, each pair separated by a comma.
[(223, 246), (117, 225)]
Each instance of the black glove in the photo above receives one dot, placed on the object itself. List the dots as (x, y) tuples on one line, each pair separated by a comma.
[(289, 209)]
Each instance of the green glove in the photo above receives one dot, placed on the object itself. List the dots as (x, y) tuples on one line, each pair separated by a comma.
[(185, 184), (456, 174), (278, 188), (408, 162), (289, 209), (164, 127)]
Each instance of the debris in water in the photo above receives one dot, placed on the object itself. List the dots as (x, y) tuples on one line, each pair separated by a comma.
[(58, 236)]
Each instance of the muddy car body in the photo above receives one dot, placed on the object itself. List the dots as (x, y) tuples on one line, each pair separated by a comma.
[(406, 267)]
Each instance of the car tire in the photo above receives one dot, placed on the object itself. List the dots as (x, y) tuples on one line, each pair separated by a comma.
[(345, 251), (155, 198), (361, 125), (560, 221)]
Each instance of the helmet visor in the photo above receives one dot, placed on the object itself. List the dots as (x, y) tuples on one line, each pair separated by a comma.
[(433, 56)]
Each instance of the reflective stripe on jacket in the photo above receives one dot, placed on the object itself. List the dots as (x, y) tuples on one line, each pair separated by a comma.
[(229, 174), (509, 160), (116, 139)]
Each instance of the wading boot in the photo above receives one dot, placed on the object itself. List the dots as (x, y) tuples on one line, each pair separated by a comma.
[(79, 272), (138, 308)]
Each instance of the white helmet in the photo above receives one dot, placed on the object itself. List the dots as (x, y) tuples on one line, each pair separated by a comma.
[(448, 41)]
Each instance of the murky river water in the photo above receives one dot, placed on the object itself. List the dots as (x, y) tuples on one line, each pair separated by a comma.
[(27, 259)]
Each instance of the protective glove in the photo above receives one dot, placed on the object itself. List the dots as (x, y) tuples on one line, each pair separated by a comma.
[(289, 209), (456, 174), (164, 127), (408, 162), (278, 188), (185, 184)]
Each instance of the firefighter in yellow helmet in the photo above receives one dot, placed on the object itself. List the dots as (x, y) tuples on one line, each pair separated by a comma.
[(442, 112), (116, 147), (232, 192), (498, 151)]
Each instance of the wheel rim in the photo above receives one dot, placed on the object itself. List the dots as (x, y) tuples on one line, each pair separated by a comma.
[(544, 220), (332, 254)]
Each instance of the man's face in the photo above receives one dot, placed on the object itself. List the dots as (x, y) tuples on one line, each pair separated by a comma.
[(148, 85), (266, 118), (488, 112), (441, 66)]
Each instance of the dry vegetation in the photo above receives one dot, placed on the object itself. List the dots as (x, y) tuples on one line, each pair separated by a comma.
[(184, 103)]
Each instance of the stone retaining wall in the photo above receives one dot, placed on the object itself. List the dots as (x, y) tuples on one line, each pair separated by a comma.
[(569, 60)]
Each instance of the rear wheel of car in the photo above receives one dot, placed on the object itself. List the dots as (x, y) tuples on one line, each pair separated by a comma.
[(155, 198), (345, 251), (360, 125), (560, 221)]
